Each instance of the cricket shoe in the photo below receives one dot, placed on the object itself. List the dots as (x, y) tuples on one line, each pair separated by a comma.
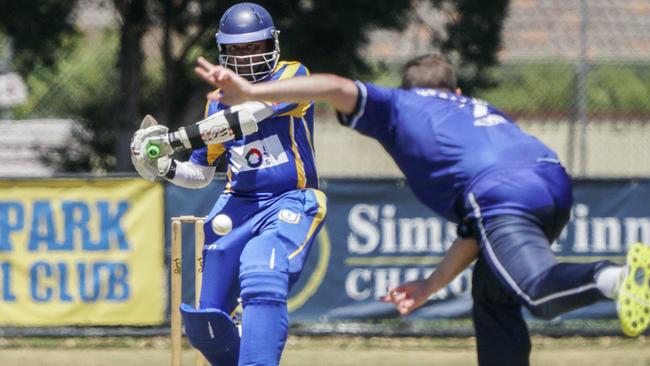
[(633, 294)]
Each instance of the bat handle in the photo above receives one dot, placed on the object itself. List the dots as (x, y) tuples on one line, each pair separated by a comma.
[(153, 151)]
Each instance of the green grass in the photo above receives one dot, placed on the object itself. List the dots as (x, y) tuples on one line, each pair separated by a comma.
[(316, 351)]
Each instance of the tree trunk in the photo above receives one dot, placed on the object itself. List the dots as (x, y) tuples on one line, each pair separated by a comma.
[(127, 110), (169, 91)]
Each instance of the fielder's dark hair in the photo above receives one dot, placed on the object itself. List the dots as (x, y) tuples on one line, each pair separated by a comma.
[(429, 71)]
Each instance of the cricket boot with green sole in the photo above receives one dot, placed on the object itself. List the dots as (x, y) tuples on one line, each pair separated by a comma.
[(633, 297)]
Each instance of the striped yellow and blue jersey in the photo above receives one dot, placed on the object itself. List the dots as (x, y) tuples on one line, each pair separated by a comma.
[(279, 157)]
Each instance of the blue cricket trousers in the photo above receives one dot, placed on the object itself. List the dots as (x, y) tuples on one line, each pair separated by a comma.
[(258, 262), (517, 267)]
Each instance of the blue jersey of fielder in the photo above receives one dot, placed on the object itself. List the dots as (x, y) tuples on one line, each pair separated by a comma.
[(469, 162), (448, 146), (278, 157)]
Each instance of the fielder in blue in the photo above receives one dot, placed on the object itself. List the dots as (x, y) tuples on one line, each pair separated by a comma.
[(271, 198), (505, 189)]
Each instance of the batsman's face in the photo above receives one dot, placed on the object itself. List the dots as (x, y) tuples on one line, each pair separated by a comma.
[(248, 49)]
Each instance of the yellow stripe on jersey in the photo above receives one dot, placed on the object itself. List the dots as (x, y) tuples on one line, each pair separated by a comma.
[(207, 103), (289, 72), (304, 124), (207, 108), (229, 184), (214, 151), (311, 145), (320, 215), (280, 65), (300, 165), (299, 111)]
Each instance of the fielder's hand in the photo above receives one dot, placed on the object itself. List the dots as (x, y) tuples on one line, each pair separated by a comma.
[(233, 89), (409, 296)]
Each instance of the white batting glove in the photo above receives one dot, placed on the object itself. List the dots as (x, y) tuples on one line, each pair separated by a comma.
[(151, 168), (157, 135)]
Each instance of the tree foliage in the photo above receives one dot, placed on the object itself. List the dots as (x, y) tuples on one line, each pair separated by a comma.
[(327, 36), (38, 29), (474, 39)]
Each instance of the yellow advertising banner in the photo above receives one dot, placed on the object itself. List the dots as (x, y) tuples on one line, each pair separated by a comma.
[(81, 252)]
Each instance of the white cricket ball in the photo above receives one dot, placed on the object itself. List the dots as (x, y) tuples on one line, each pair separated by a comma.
[(221, 224)]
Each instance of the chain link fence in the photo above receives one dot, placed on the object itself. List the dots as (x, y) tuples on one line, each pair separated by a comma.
[(592, 60), (574, 73)]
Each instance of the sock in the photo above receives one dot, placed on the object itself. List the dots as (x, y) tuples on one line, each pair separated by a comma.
[(608, 280)]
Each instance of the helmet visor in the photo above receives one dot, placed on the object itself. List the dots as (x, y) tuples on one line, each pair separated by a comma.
[(253, 67)]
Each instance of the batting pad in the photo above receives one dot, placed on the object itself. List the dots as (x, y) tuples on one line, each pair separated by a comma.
[(212, 332)]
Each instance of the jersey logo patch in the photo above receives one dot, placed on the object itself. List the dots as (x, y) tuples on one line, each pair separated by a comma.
[(289, 216), (254, 158), (259, 154)]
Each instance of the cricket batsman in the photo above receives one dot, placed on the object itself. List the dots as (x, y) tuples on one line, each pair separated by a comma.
[(507, 191), (271, 198)]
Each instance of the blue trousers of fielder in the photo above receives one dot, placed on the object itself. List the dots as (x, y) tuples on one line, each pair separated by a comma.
[(517, 267), (258, 261)]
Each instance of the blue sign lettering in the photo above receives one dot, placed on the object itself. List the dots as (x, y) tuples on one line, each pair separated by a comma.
[(118, 287), (7, 295), (42, 229), (64, 293), (76, 221), (39, 270), (86, 277), (97, 281), (7, 225), (110, 229), (76, 216)]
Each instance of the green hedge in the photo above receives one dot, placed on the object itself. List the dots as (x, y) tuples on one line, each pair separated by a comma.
[(551, 87)]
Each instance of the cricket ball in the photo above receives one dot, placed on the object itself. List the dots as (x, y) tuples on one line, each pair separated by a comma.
[(221, 224)]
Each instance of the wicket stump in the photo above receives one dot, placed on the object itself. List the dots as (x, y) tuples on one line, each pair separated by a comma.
[(175, 266)]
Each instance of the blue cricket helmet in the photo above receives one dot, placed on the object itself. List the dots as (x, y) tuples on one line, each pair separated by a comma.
[(245, 23)]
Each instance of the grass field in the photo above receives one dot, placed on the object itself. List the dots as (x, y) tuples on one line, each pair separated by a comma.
[(317, 351)]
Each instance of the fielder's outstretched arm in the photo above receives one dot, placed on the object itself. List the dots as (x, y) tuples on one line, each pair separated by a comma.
[(342, 93), (411, 295)]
